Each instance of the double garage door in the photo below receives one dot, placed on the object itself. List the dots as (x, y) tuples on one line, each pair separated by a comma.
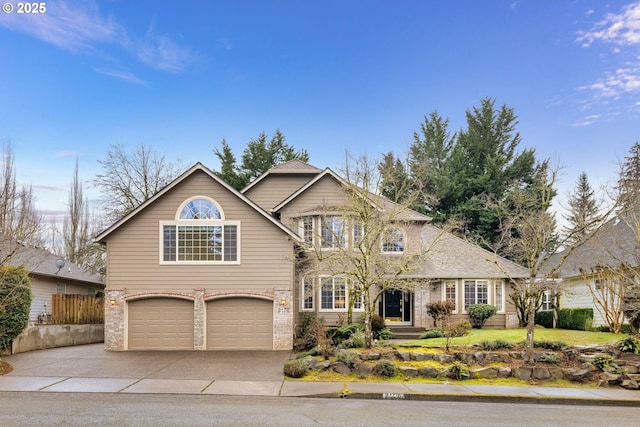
[(232, 324)]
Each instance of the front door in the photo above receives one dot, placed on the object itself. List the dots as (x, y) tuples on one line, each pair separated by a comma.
[(396, 306)]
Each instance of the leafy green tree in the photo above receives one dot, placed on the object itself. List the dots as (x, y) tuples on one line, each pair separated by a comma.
[(15, 303), (584, 208), (259, 156)]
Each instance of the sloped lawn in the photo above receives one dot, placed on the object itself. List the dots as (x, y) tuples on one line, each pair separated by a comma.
[(517, 336)]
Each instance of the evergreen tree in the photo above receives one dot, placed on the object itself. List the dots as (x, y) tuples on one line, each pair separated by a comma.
[(461, 175), (258, 157), (583, 209), (629, 179)]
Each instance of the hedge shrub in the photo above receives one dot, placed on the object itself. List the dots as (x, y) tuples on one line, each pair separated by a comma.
[(545, 318), (577, 319), (15, 303)]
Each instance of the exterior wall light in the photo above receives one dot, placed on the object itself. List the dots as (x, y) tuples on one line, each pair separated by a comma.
[(283, 301), (112, 301)]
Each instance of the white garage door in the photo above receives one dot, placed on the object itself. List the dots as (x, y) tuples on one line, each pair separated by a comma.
[(160, 324), (239, 324)]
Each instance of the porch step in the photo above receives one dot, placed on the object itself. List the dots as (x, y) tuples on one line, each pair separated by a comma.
[(406, 332)]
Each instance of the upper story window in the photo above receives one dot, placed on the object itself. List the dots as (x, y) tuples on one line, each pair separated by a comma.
[(200, 234), (333, 232), (393, 241), (306, 229)]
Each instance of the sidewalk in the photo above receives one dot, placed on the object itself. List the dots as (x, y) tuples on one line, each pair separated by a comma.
[(90, 369)]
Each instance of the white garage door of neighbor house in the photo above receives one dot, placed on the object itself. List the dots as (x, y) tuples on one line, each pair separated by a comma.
[(160, 324), (240, 324)]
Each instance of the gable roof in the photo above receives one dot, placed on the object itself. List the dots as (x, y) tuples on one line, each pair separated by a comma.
[(451, 257), (294, 166), (379, 202), (43, 263), (195, 168), (612, 244)]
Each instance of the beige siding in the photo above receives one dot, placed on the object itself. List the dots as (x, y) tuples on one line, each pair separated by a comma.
[(273, 189), (327, 192), (134, 249)]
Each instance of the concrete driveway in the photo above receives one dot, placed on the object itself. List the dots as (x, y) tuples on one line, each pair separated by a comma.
[(89, 368)]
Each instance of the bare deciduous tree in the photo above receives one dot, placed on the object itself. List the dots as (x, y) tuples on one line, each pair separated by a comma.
[(528, 233), (128, 179), (19, 219), (357, 231)]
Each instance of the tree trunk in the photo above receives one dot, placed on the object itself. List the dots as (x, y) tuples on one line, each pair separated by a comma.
[(368, 332), (531, 323)]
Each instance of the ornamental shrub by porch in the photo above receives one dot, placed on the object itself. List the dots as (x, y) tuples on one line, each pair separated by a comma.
[(479, 313)]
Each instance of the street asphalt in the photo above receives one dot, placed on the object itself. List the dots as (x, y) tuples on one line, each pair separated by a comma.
[(91, 369)]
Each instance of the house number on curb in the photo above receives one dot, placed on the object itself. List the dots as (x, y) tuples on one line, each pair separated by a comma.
[(393, 395)]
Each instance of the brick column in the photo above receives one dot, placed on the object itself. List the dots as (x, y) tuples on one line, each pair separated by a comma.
[(114, 333), (283, 319), (421, 297), (198, 319)]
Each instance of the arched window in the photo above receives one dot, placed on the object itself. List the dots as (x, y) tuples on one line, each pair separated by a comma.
[(200, 208), (200, 234)]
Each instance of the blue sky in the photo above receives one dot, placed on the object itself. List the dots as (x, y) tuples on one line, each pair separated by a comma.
[(331, 75)]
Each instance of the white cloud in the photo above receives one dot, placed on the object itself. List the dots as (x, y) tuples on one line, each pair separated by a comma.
[(121, 75), (81, 28), (621, 33), (621, 29)]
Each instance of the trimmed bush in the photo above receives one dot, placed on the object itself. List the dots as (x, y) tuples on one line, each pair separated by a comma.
[(479, 313), (549, 345), (377, 324), (297, 368), (15, 303), (432, 333), (577, 319), (386, 368), (545, 318)]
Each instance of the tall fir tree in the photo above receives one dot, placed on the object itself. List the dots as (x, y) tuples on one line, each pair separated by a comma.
[(629, 179), (583, 209)]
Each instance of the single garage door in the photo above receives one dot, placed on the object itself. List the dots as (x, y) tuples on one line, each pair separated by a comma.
[(161, 324), (239, 324)]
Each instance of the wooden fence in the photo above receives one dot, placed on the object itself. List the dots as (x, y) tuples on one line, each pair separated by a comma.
[(76, 309)]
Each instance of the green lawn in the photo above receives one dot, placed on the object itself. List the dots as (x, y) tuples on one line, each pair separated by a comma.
[(518, 335)]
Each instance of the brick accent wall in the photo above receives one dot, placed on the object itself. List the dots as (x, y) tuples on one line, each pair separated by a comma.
[(421, 297), (283, 319), (199, 309), (114, 332)]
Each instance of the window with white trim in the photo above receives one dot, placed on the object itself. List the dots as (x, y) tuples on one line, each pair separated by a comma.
[(450, 293), (358, 233), (393, 241), (356, 292), (199, 234), (306, 229), (547, 303), (307, 294), (332, 232), (333, 293), (476, 292), (498, 295)]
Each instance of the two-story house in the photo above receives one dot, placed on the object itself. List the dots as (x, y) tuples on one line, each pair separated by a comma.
[(203, 266)]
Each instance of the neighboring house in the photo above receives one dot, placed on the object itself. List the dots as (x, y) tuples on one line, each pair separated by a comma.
[(588, 266), (49, 275), (203, 266)]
